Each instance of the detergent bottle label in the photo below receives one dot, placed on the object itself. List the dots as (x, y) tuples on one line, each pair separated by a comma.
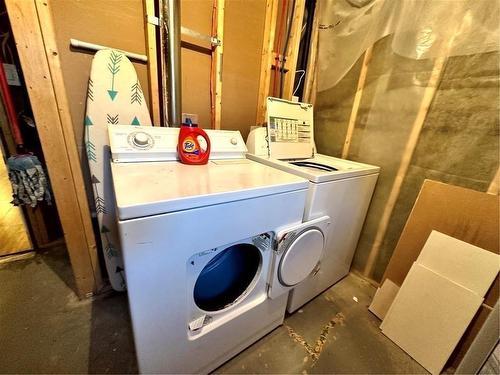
[(189, 146)]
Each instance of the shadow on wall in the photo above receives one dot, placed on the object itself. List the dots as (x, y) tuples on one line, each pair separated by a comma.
[(458, 143)]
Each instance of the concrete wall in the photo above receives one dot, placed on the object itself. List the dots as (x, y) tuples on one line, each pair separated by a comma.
[(458, 143)]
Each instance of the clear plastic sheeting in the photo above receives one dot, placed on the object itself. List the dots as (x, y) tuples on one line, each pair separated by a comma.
[(427, 118), (422, 29)]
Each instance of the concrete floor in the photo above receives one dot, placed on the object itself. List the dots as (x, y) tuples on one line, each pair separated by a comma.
[(44, 328)]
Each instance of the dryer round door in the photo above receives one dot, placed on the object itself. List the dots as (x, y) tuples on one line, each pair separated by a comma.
[(300, 256)]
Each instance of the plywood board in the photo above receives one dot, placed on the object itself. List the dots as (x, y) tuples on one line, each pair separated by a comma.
[(429, 316), (465, 214), (243, 37), (196, 15), (196, 85), (383, 299), (465, 264), (117, 25), (113, 24)]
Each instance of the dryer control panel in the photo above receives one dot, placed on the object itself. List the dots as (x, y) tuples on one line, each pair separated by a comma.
[(130, 143)]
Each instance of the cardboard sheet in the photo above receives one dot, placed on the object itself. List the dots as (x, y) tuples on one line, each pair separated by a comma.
[(383, 299), (429, 316), (465, 214), (463, 263)]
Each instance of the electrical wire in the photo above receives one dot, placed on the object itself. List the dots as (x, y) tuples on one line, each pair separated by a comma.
[(300, 80)]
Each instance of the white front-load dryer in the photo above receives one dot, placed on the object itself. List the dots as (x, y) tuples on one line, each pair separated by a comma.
[(210, 251), (340, 189)]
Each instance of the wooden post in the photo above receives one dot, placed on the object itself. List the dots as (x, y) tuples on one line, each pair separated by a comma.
[(411, 144), (154, 94), (309, 94), (267, 59), (217, 54), (33, 32), (493, 188), (357, 101), (292, 51)]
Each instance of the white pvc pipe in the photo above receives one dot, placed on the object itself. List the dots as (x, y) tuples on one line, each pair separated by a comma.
[(97, 47)]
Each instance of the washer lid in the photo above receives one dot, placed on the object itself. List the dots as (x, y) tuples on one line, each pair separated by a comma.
[(315, 168), (301, 255)]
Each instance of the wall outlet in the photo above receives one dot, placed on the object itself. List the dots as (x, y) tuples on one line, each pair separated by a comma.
[(192, 116)]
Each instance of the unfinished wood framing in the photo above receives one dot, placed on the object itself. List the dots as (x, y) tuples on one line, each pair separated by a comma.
[(267, 59), (33, 32), (217, 54), (292, 51), (411, 144), (154, 94), (357, 101), (494, 185), (310, 79)]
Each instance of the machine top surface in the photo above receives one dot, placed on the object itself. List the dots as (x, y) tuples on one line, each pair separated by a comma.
[(173, 186), (320, 168)]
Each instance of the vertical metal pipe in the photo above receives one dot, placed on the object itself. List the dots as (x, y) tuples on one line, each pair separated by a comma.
[(172, 23)]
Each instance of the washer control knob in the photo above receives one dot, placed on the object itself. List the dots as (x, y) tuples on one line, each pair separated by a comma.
[(234, 141), (141, 139)]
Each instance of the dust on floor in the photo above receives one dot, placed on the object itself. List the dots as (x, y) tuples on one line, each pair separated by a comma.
[(44, 328)]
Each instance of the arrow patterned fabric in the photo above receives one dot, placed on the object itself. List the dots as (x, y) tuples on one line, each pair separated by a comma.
[(114, 96)]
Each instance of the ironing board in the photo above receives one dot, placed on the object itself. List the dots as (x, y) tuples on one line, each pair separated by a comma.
[(114, 96)]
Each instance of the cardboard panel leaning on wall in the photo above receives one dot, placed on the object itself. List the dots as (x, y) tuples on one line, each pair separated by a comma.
[(116, 24), (243, 37), (465, 214)]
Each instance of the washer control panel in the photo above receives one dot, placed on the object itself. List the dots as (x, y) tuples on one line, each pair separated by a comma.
[(130, 143), (290, 129), (141, 140)]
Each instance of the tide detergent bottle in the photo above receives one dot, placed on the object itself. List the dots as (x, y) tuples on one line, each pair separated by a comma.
[(189, 149)]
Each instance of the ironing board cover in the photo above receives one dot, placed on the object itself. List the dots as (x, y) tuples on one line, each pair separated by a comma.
[(114, 96)]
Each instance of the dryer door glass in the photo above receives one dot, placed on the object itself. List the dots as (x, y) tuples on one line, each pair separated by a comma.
[(227, 276), (301, 255)]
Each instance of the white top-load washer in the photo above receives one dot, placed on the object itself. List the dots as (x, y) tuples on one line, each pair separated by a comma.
[(210, 251), (338, 188)]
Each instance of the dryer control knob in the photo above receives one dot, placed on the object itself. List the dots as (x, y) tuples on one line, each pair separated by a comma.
[(234, 141)]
